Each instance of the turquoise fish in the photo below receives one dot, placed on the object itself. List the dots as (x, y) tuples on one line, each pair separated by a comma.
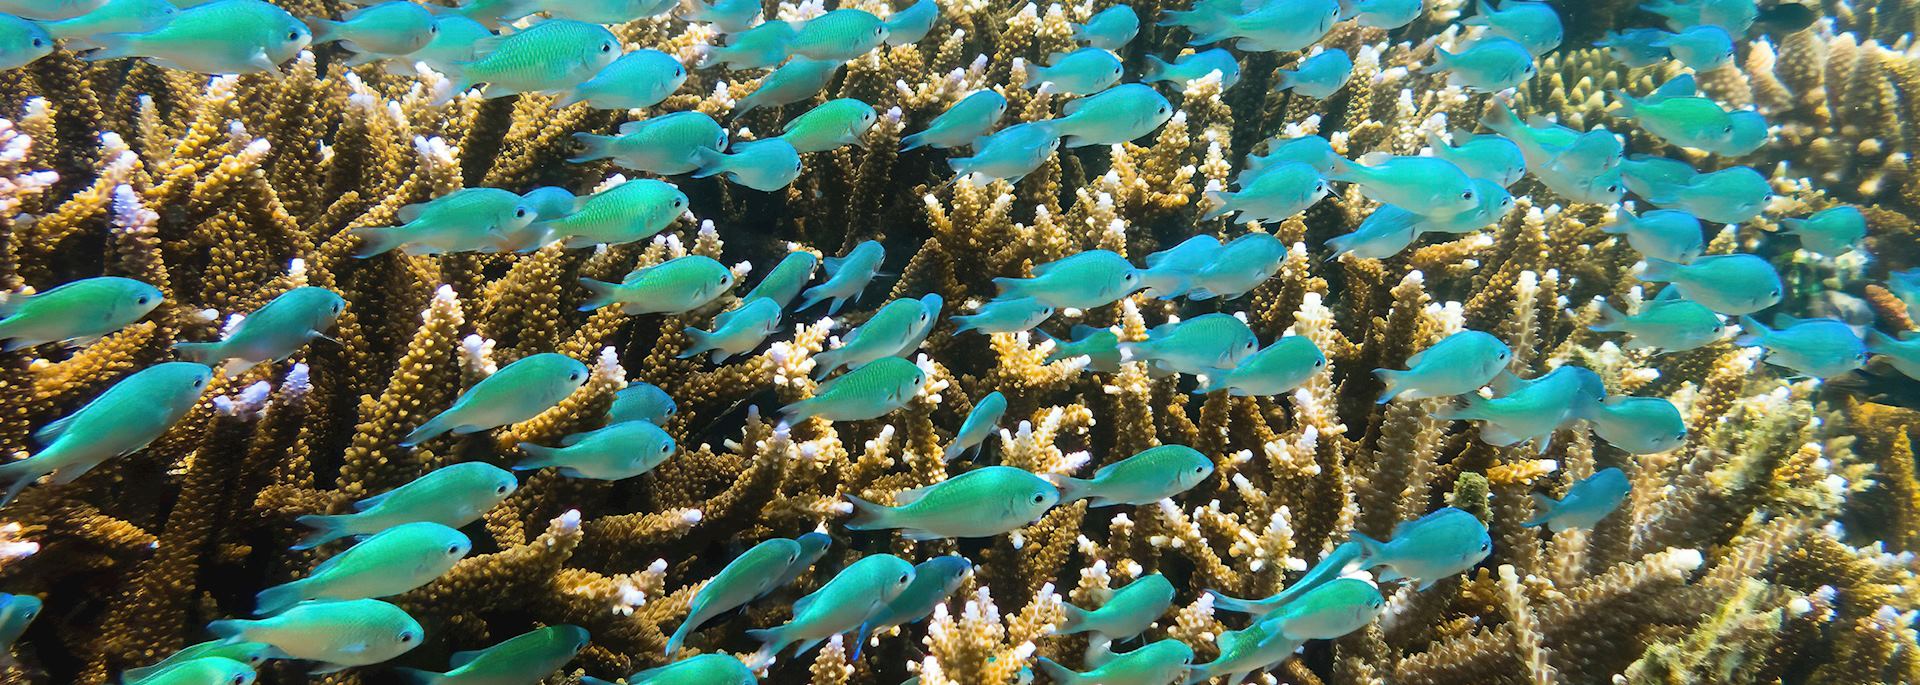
[(1170, 273), (81, 310), (1830, 231), (1275, 26), (22, 42), (116, 16), (667, 145), (981, 422), (338, 634), (705, 669), (1668, 234), (49, 10), (1688, 121), (1276, 369), (212, 670), (1533, 411), (767, 165), (981, 503), (1101, 347), (1493, 204), (1488, 65), (1460, 363), (1384, 233), (518, 660), (1822, 348), (223, 37), (835, 123), (1011, 153), (1487, 156), (1314, 151), (962, 123), (641, 402), (1671, 325), (1386, 14), (16, 614), (616, 452), (1345, 558), (1648, 176), (1081, 72), (1004, 316), (868, 392), (785, 280), (1109, 29), (388, 29), (1240, 266), (749, 576), (1902, 352), (1736, 16), (842, 34), (517, 392), (854, 596), (124, 419), (1731, 284), (886, 334), (455, 38), (548, 57), (1533, 24), (1635, 48), (934, 580), (390, 562), (1423, 185), (760, 47), (638, 79), (250, 654), (1424, 551), (812, 546), (1084, 280), (1259, 647), (1192, 67), (1587, 501), (1205, 344), (847, 277), (674, 286), (797, 80), (729, 16), (1276, 194), (273, 332), (908, 26), (735, 331), (452, 496), (634, 210), (1129, 611), (465, 220), (1157, 663), (1110, 117), (1638, 425), (1702, 48), (1154, 474)]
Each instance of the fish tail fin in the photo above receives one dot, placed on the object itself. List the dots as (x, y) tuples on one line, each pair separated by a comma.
[(1235, 604), (1073, 489), (1222, 204), (1464, 407), (1213, 36), (1441, 58), (440, 423), (17, 475), (1074, 620), (324, 29), (325, 529), (710, 162), (1751, 331), (203, 352), (867, 515), (1012, 288), (592, 146), (1391, 379), (680, 634), (1502, 119), (1628, 103), (1370, 549), (1154, 70), (1791, 226), (914, 141), (538, 456), (797, 412), (1057, 673), (112, 46), (1545, 506), (377, 240), (1611, 319), (278, 598), (1880, 343), (1035, 76), (415, 676), (698, 342), (599, 294), (1660, 270), (231, 629)]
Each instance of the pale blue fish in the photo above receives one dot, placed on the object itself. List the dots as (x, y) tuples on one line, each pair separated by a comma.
[(1906, 286), (962, 123), (1638, 425), (632, 211), (934, 580), (1534, 25), (1276, 26), (642, 78), (984, 502), (339, 635), (1670, 325), (1384, 233), (1666, 234), (1207, 16), (517, 392), (116, 16), (1330, 610), (735, 332), (1460, 363), (455, 39), (518, 660), (1730, 284), (1702, 48), (1113, 116), (1488, 65), (224, 37), (835, 123), (599, 11), (74, 312), (729, 16), (1004, 316), (759, 47), (1729, 196), (1084, 280), (16, 613), (213, 670), (1011, 153), (847, 277), (1491, 157), (123, 419), (751, 575), (1586, 503), (1750, 133), (796, 81), (273, 332), (1277, 369), (1821, 348), (1081, 72), (49, 10), (1831, 231), (766, 165), (465, 220), (908, 26), (1494, 204), (1258, 647), (705, 669), (388, 29), (1532, 411), (1276, 193), (666, 145), (885, 334), (1192, 67), (22, 42), (1422, 185), (842, 34), (853, 597), (1343, 560), (981, 422), (1110, 29), (1649, 176), (934, 304), (641, 402), (452, 496), (1736, 16), (1170, 273), (391, 562), (1126, 613), (1539, 141), (1426, 550), (616, 452), (1589, 154), (812, 546), (1157, 663), (249, 654), (1154, 474), (869, 392), (1100, 346), (1386, 14), (1635, 48), (489, 13), (1687, 121), (1204, 344), (675, 286), (551, 56), (1902, 353), (1240, 266), (1314, 151), (785, 281)]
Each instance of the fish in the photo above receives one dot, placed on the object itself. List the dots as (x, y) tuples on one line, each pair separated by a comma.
[(600, 11), (1730, 196), (517, 392), (1702, 48), (1534, 25), (1671, 325), (1635, 48), (855, 595), (1154, 474), (125, 418), (728, 16), (1278, 193), (1906, 286), (465, 220), (617, 452), (785, 280), (1100, 346), (667, 145), (1903, 353), (1638, 425), (1787, 17), (455, 38), (869, 392), (641, 402), (524, 658), (981, 503), (1668, 234), (934, 304), (1314, 151), (22, 42), (1276, 369), (1422, 185), (1460, 363), (1275, 26), (1081, 72), (49, 10), (1589, 154), (1240, 266), (1192, 67), (1731, 284), (1687, 121), (390, 562), (675, 286), (636, 80), (1330, 610), (981, 422), (1128, 611), (551, 56), (452, 496), (489, 13), (1493, 203), (1011, 153), (249, 654), (1586, 503), (116, 16), (760, 47), (797, 80), (847, 277), (886, 334), (1258, 647), (842, 34), (203, 671), (1004, 316), (1156, 663), (271, 333), (749, 576), (1428, 549), (1489, 65), (1830, 231), (1384, 233), (1204, 344), (812, 546), (223, 37), (835, 123), (767, 165), (1545, 147), (80, 310), (705, 669), (16, 614), (910, 25), (1648, 176), (966, 121), (1110, 117), (1385, 14), (1750, 133), (1532, 411), (1084, 280), (1205, 16), (735, 332), (1821, 348), (387, 29), (628, 212), (1109, 29), (934, 580), (338, 634), (1736, 16), (1488, 156), (1170, 273), (1345, 558)]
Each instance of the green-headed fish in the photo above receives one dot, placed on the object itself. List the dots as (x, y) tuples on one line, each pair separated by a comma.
[(1688, 121), (1422, 185), (249, 654), (452, 496), (82, 310), (735, 331), (465, 220), (1205, 344), (1110, 29), (797, 80), (1259, 647), (1821, 348), (1004, 316), (1830, 231), (1638, 425), (617, 452), (1110, 117), (1668, 234), (671, 287), (1460, 363), (833, 124), (517, 392), (1276, 194), (1587, 501), (1330, 610), (391, 562), (908, 26), (634, 210), (117, 16), (962, 123), (1192, 67), (749, 576), (981, 422), (1533, 24), (886, 334), (667, 144), (548, 57), (212, 670), (764, 165), (842, 34), (1488, 65), (1487, 156), (1276, 369), (1731, 284), (868, 392), (1433, 547), (124, 419), (1152, 475), (339, 635), (641, 78), (641, 402), (388, 29), (785, 280), (1126, 613), (1084, 280), (1671, 325), (1157, 663), (1240, 266), (1276, 26), (273, 332), (1010, 153), (518, 660), (705, 669), (847, 277), (857, 594), (1082, 72), (760, 47), (981, 503), (223, 37), (1101, 347)]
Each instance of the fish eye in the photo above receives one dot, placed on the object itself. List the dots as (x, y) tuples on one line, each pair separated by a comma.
[(796, 166), (606, 47), (143, 299), (665, 448), (500, 489), (679, 71), (1486, 546), (199, 382), (878, 30), (1467, 195), (1504, 355), (1199, 469), (453, 550), (1039, 497), (433, 29), (575, 376), (1317, 363), (293, 35), (1774, 292), (793, 558), (239, 679), (1728, 129), (679, 202), (520, 213), (672, 410), (406, 637), (1613, 188), (38, 42)]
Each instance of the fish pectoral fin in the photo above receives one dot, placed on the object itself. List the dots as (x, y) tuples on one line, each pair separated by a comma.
[(261, 61)]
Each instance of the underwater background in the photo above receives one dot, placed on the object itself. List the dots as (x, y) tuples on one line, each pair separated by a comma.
[(1696, 506)]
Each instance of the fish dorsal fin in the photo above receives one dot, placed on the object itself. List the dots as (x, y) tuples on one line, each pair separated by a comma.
[(331, 562), (412, 211), (800, 605), (906, 497), (51, 432), (1678, 87), (463, 658), (1506, 383), (1080, 331), (373, 501), (1375, 158), (1785, 321), (486, 46), (832, 265), (633, 127), (572, 440)]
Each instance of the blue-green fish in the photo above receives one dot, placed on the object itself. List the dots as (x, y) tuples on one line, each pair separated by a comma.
[(1081, 72), (1192, 67), (842, 34), (22, 42), (868, 392), (812, 546), (666, 145), (1491, 157), (548, 203), (962, 123), (760, 47), (886, 334), (705, 669), (634, 210), (273, 332), (548, 57), (1386, 14), (1533, 411), (391, 562), (1638, 425), (1112, 116), (981, 503), (1729, 196), (616, 452), (1205, 344), (1204, 16), (1671, 325), (908, 26), (934, 304), (1343, 560), (1274, 370), (1589, 154), (16, 613), (847, 277), (489, 13), (465, 220), (1259, 647), (1004, 316), (785, 280), (1100, 346), (641, 402), (1277, 193), (981, 422), (1170, 273), (1906, 286), (1314, 151), (934, 580), (1154, 474), (1903, 352), (735, 331), (212, 670), (599, 11), (388, 29), (1126, 613), (455, 39), (729, 16), (1240, 266), (638, 79), (1736, 16), (1433, 547), (1635, 48), (249, 654), (48, 10), (671, 287), (1702, 48), (1561, 158), (1648, 176), (124, 419), (797, 80), (1489, 65), (1158, 663), (339, 635), (1492, 204), (452, 496), (1750, 133), (1532, 24), (1587, 501), (1384, 233), (1822, 348), (224, 37), (117, 16), (854, 596), (517, 392), (1110, 29), (765, 165), (1460, 363), (81, 310), (518, 660), (1830, 231), (1732, 284), (1688, 121), (835, 123), (1330, 611), (1011, 153), (1094, 278), (1666, 234), (1422, 185), (1276, 26), (749, 576)]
